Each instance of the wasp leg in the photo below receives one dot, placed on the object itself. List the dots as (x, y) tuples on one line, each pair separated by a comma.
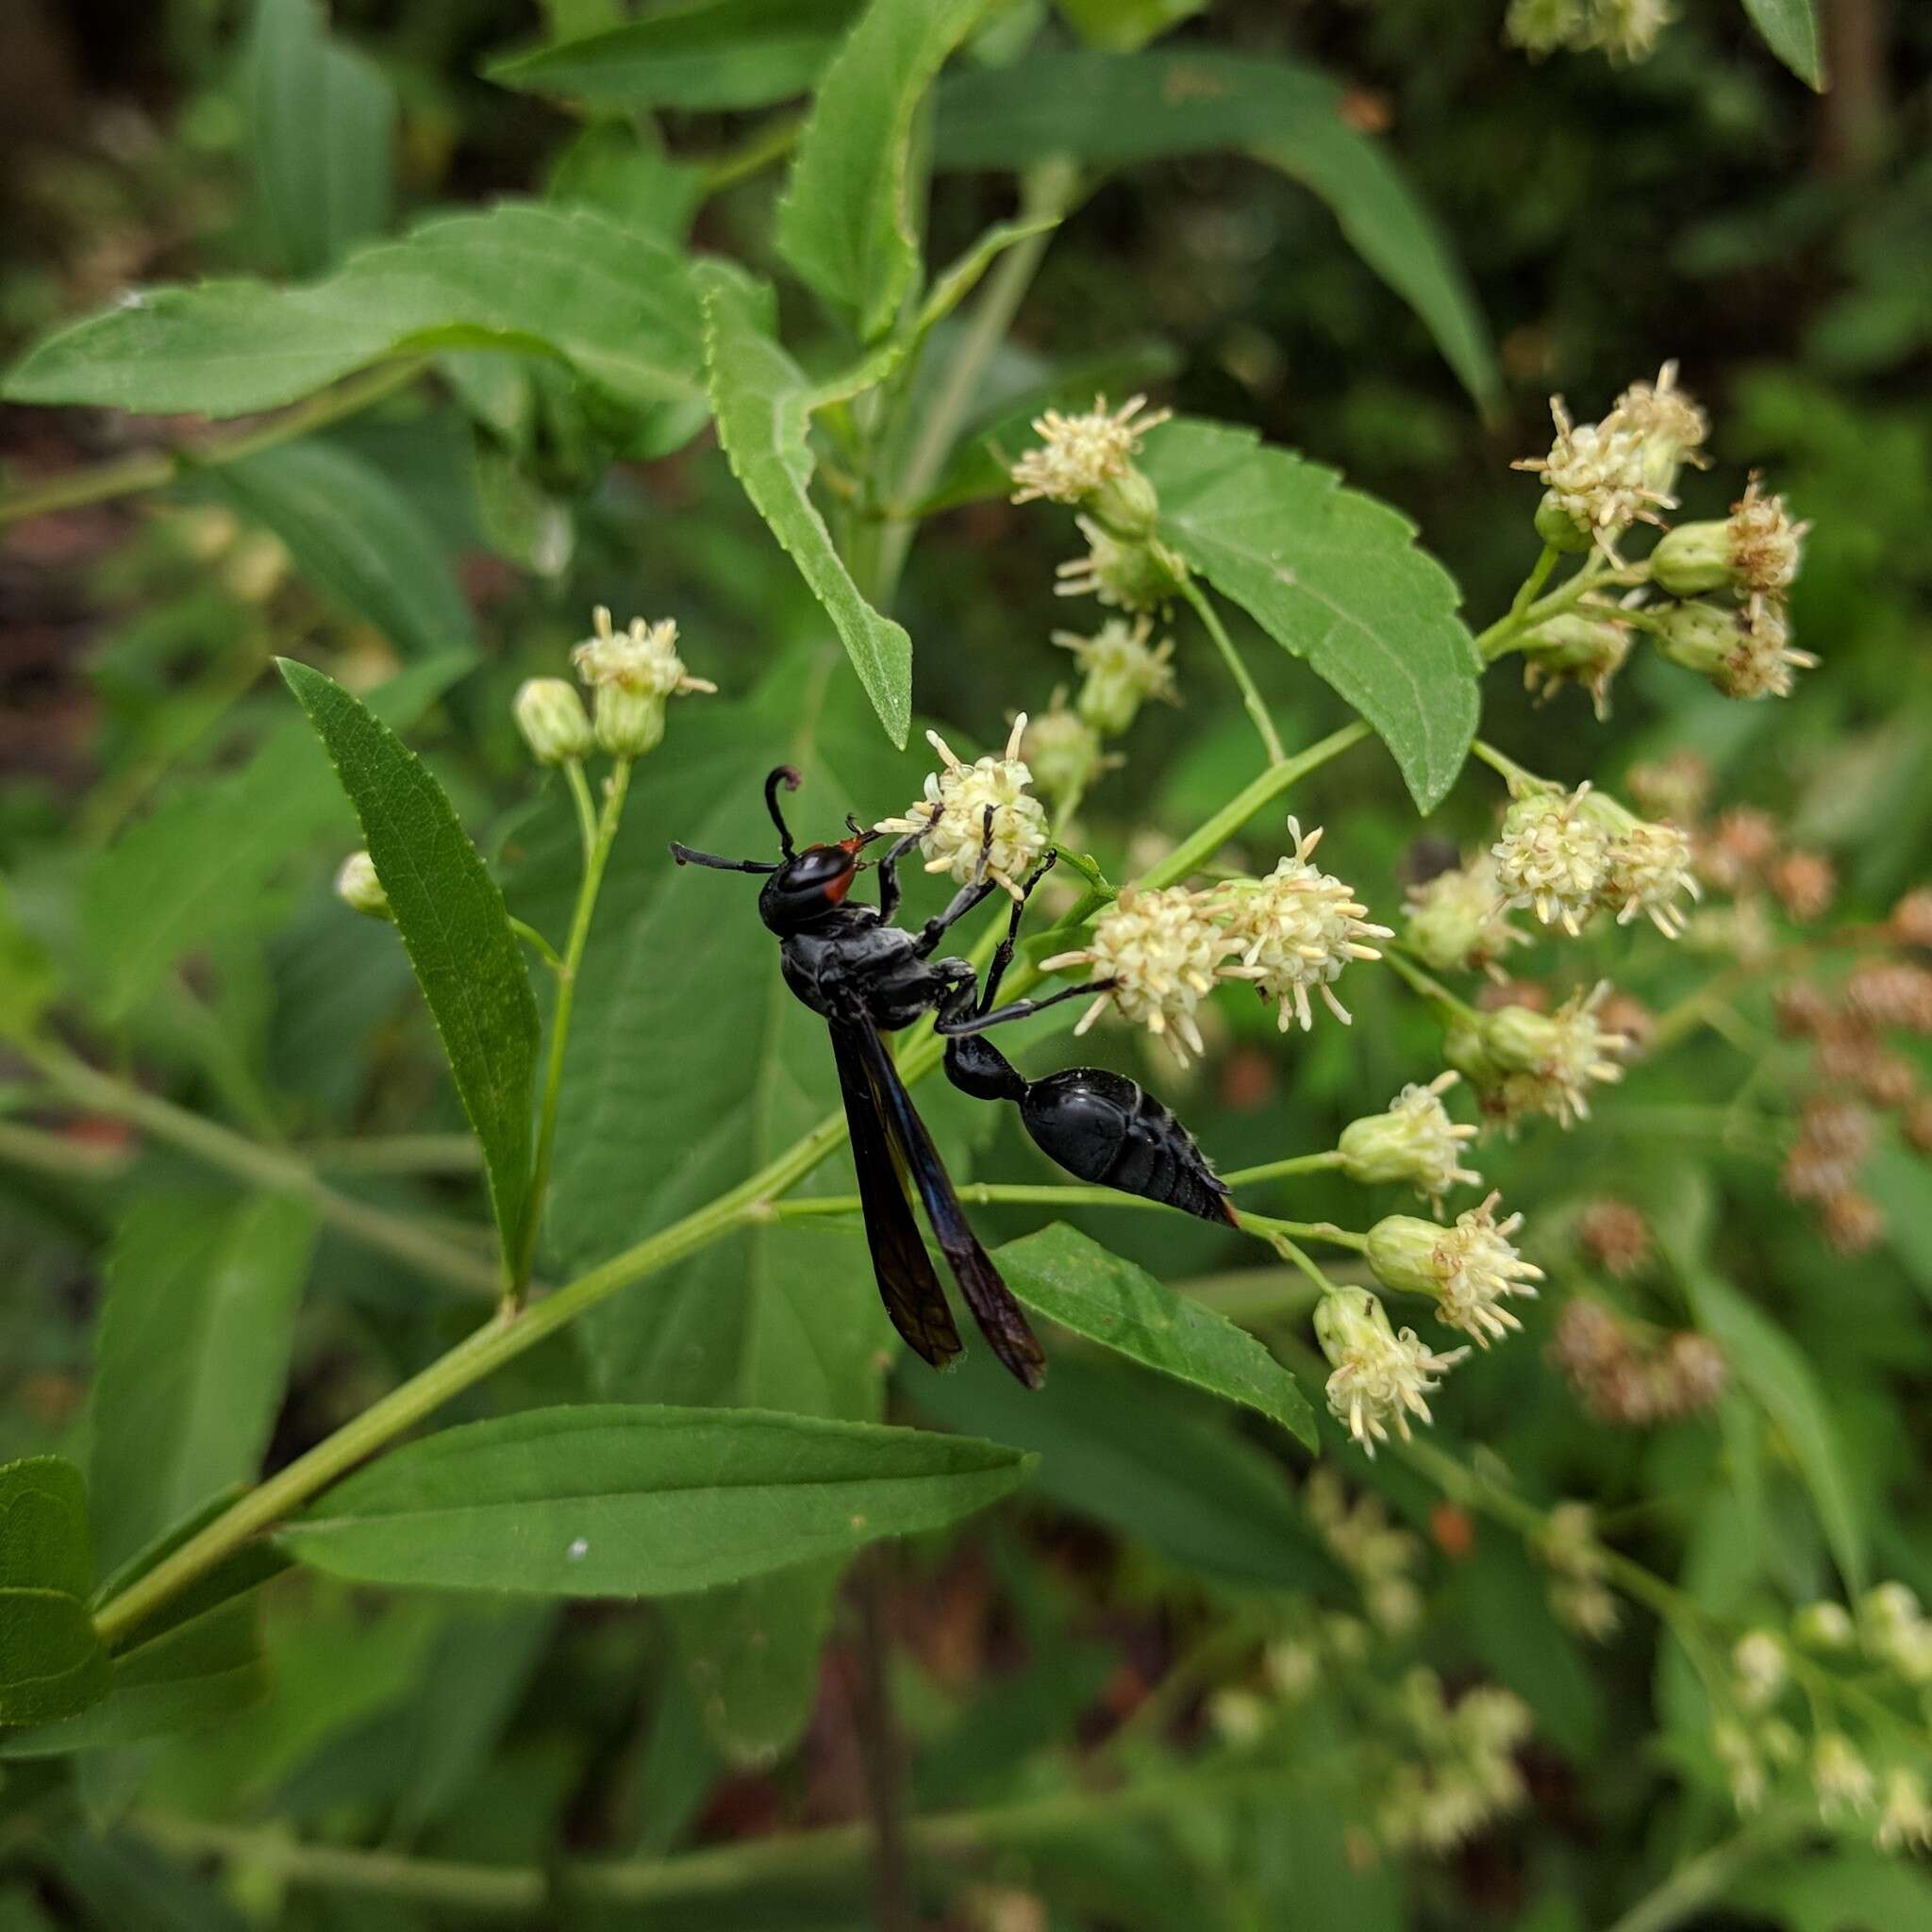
[(889, 876), (1002, 957), (1014, 1009), (974, 892)]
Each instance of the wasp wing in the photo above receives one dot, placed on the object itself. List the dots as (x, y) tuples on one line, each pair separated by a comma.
[(999, 1315), (908, 1285)]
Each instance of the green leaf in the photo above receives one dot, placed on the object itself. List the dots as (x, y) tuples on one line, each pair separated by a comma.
[(322, 123), (1334, 576), (707, 54), (198, 868), (1060, 1273), (763, 406), (1847, 1888), (27, 978), (604, 1500), (846, 223), (1125, 25), (50, 1662), (191, 1354), (43, 1534), (1789, 28), (1772, 1368), (450, 914), (188, 1676), (358, 538), (1127, 1449), (613, 302), (1114, 109)]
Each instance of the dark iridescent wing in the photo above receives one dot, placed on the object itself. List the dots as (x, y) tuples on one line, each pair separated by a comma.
[(1000, 1317), (908, 1285)]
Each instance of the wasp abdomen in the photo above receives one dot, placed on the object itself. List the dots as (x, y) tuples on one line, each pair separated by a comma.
[(1108, 1130)]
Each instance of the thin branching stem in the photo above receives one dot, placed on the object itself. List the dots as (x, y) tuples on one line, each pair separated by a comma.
[(1237, 668)]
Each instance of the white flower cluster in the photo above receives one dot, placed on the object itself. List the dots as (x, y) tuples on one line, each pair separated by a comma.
[(1379, 1555), (1382, 1376), (1470, 1269), (1287, 934), (1521, 1063), (1563, 855), (1077, 455), (1465, 1774), (1414, 1142), (1579, 1596), (952, 818), (1624, 29), (632, 673), (1120, 670)]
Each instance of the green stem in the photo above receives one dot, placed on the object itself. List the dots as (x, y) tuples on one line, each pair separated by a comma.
[(1502, 636), (1429, 986), (537, 944), (1703, 1880), (1276, 1170), (151, 469), (1049, 192), (1538, 575), (1519, 778), (272, 1168), (516, 1330), (764, 146), (62, 1156), (587, 809), (1237, 670), (1195, 852), (398, 1154), (596, 858)]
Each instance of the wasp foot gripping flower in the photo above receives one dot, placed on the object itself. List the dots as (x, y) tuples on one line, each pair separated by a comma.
[(1754, 553), (1381, 1374), (1671, 426), (1578, 1595), (1525, 1063), (1470, 1269), (1746, 654), (1120, 671), (1143, 575), (1415, 1142), (1296, 928), (632, 673), (950, 818), (552, 718), (1458, 922), (1162, 950), (1079, 455), (1595, 474), (357, 887), (1585, 647), (1553, 856)]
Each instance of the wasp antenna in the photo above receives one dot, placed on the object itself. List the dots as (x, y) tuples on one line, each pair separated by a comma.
[(685, 855), (786, 775)]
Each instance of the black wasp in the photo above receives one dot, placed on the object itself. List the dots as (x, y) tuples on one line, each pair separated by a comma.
[(866, 977)]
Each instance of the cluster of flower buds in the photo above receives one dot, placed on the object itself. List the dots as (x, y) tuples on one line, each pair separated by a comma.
[(1462, 1775), (1522, 1063), (1564, 855), (1380, 1556), (1087, 461), (1064, 754), (1584, 646), (1288, 935), (1457, 920), (631, 675), (1120, 670), (1581, 1598), (1624, 29), (1889, 1644), (1381, 1375), (1630, 1377), (1821, 1171), (1615, 1236), (1413, 1143)]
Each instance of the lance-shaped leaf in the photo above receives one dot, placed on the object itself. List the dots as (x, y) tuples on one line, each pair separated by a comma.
[(358, 538), (450, 915), (763, 406), (613, 302), (711, 53), (190, 1356), (51, 1663), (606, 1500), (1791, 31), (1060, 1273), (1334, 576), (1115, 110), (846, 222)]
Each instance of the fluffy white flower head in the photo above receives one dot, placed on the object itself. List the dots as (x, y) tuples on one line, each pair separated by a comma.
[(1471, 1269), (1162, 950), (1122, 670), (1762, 662), (1552, 857), (1297, 930), (1413, 1141), (951, 819), (1649, 868), (1077, 454), (642, 659), (1766, 545), (1596, 475), (1381, 1375)]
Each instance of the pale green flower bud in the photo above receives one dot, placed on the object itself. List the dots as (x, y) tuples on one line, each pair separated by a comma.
[(1143, 576), (1414, 1142), (1063, 752), (1121, 670), (1457, 920), (1824, 1625), (1126, 506), (357, 886), (1692, 559), (1578, 647), (1698, 635), (1467, 1269), (1525, 1063), (1746, 654), (1561, 528), (551, 716), (628, 722), (1380, 1376)]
